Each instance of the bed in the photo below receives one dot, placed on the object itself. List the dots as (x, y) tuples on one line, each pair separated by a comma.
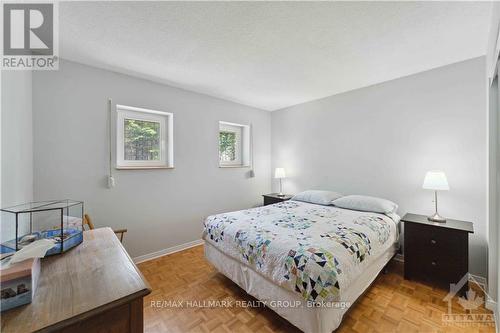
[(307, 262)]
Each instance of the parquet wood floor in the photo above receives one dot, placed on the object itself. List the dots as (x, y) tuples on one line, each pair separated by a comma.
[(392, 304)]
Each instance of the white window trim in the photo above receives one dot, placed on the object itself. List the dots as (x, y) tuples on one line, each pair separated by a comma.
[(243, 149), (166, 137)]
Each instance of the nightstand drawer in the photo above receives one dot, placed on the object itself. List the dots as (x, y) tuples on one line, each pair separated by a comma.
[(434, 240), (273, 198), (435, 254), (439, 270)]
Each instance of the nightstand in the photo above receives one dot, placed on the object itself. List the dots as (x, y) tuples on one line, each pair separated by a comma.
[(437, 253), (273, 198)]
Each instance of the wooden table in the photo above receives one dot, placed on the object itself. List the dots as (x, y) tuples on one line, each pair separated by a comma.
[(93, 287)]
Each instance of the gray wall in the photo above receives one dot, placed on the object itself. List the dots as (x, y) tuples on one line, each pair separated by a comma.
[(17, 144), (491, 54), (493, 191), (494, 155), (17, 138), (160, 208), (381, 140)]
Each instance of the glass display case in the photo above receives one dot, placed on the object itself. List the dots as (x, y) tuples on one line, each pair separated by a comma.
[(60, 220)]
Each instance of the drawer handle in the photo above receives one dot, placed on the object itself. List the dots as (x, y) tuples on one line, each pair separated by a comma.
[(433, 263), (433, 241)]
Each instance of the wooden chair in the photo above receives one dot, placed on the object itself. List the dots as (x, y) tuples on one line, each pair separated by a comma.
[(88, 222)]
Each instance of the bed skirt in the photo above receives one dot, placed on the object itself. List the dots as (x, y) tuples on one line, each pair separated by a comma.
[(291, 305)]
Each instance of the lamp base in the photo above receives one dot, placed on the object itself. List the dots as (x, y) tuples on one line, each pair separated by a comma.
[(437, 218), (281, 194)]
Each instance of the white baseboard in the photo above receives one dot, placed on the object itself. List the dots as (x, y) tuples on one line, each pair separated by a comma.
[(493, 306), (167, 251), (497, 318), (399, 257), (479, 279)]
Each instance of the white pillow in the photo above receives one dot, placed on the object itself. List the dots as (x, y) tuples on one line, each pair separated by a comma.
[(366, 204), (317, 197)]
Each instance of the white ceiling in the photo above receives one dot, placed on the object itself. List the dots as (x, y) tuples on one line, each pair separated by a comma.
[(272, 54)]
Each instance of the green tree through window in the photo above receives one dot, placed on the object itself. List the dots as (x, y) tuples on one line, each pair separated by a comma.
[(142, 140), (227, 146)]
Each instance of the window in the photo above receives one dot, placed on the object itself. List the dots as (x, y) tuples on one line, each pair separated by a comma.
[(144, 138), (234, 145)]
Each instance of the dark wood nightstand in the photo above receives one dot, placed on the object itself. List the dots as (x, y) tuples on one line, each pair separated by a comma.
[(273, 198), (437, 253)]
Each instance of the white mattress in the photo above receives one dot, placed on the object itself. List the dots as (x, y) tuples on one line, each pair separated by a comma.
[(291, 305)]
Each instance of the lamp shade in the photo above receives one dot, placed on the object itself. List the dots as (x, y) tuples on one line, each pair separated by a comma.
[(436, 180), (279, 173)]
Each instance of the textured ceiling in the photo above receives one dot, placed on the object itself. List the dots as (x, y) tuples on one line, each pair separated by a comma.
[(272, 54)]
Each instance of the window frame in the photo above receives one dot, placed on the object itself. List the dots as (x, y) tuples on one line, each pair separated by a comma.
[(242, 148), (165, 119)]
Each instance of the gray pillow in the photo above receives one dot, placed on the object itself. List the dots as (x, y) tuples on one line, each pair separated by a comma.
[(366, 204), (317, 197)]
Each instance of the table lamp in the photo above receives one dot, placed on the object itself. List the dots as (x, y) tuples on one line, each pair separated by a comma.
[(280, 174), (436, 181)]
